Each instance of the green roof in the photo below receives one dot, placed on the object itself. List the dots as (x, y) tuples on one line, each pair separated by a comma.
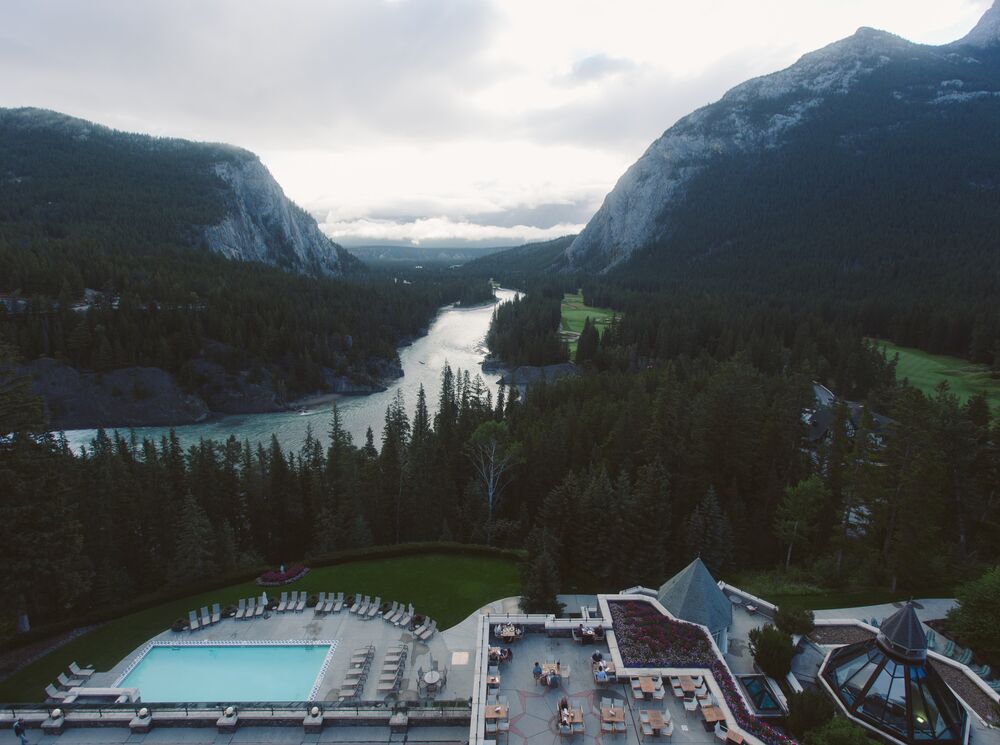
[(692, 595)]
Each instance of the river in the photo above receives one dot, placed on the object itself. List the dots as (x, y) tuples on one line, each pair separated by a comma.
[(457, 336)]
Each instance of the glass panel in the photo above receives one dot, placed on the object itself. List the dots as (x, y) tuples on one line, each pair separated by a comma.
[(873, 706), (895, 706), (852, 687), (935, 717)]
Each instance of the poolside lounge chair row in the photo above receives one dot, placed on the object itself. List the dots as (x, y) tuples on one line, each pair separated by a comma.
[(250, 608), (297, 602), (354, 680), (392, 670), (206, 619), (80, 675), (329, 603)]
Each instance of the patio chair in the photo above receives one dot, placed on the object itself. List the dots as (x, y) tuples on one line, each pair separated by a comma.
[(638, 695), (293, 600), (984, 671), (283, 603), (216, 613), (678, 691), (339, 604), (995, 685), (356, 605), (721, 731), (241, 610), (374, 607), (320, 603), (668, 731), (930, 637), (647, 730), (503, 725), (193, 624), (206, 617), (619, 728), (261, 606), (949, 648), (251, 608), (578, 728), (301, 605), (67, 683), (387, 616), (565, 730), (659, 693), (491, 726), (54, 693), (80, 672), (690, 704)]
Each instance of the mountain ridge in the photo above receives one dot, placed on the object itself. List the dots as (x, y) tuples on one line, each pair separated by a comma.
[(760, 116)]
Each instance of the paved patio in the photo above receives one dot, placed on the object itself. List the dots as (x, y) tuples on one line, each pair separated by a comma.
[(533, 707)]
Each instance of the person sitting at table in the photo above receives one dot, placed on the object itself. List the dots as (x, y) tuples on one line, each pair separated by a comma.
[(564, 710), (602, 666), (537, 671), (510, 654), (601, 676), (597, 656)]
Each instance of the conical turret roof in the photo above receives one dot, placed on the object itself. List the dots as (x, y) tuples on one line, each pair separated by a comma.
[(901, 634), (692, 595)]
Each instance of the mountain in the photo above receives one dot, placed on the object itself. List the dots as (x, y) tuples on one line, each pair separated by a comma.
[(66, 179), (528, 260), (872, 157)]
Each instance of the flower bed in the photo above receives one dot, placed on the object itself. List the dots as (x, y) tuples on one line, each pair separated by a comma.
[(276, 577), (647, 638)]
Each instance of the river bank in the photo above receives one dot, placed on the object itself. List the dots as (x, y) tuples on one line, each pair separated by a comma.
[(455, 338)]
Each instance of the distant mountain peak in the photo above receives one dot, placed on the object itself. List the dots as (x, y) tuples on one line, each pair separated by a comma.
[(987, 32)]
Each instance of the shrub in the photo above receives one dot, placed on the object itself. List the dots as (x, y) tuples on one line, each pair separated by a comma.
[(974, 619), (838, 731), (808, 711), (229, 611), (793, 621), (772, 650), (312, 600), (179, 625)]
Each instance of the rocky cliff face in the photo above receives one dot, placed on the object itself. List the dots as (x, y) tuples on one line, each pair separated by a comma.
[(761, 116), (262, 224)]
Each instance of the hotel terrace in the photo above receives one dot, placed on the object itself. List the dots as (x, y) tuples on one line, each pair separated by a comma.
[(671, 664)]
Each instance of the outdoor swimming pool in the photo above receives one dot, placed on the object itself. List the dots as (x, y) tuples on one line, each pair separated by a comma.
[(196, 672)]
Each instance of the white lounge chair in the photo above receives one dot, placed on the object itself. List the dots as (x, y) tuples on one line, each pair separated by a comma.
[(283, 603), (387, 616), (301, 605), (216, 613), (80, 672), (52, 692), (320, 604), (356, 606), (363, 608), (330, 601), (405, 619), (261, 607), (67, 683), (251, 608), (241, 610), (206, 618), (374, 607), (428, 632), (339, 605), (193, 624)]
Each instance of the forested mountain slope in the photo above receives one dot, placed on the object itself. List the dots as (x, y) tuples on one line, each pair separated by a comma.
[(67, 180), (866, 173)]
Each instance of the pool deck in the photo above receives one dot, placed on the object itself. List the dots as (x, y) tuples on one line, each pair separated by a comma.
[(451, 649)]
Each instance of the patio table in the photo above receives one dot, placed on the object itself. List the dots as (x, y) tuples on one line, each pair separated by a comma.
[(612, 714), (495, 711)]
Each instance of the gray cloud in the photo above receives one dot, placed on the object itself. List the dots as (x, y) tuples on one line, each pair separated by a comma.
[(598, 66)]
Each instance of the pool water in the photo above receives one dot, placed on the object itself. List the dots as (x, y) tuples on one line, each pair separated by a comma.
[(760, 695), (228, 673)]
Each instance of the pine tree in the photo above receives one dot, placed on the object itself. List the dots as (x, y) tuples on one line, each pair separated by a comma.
[(540, 577), (709, 535), (193, 552)]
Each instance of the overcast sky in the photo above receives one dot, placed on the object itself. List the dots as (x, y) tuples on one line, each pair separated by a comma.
[(432, 121)]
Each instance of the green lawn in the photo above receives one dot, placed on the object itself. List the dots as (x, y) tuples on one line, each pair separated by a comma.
[(924, 371), (445, 587), (575, 312)]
